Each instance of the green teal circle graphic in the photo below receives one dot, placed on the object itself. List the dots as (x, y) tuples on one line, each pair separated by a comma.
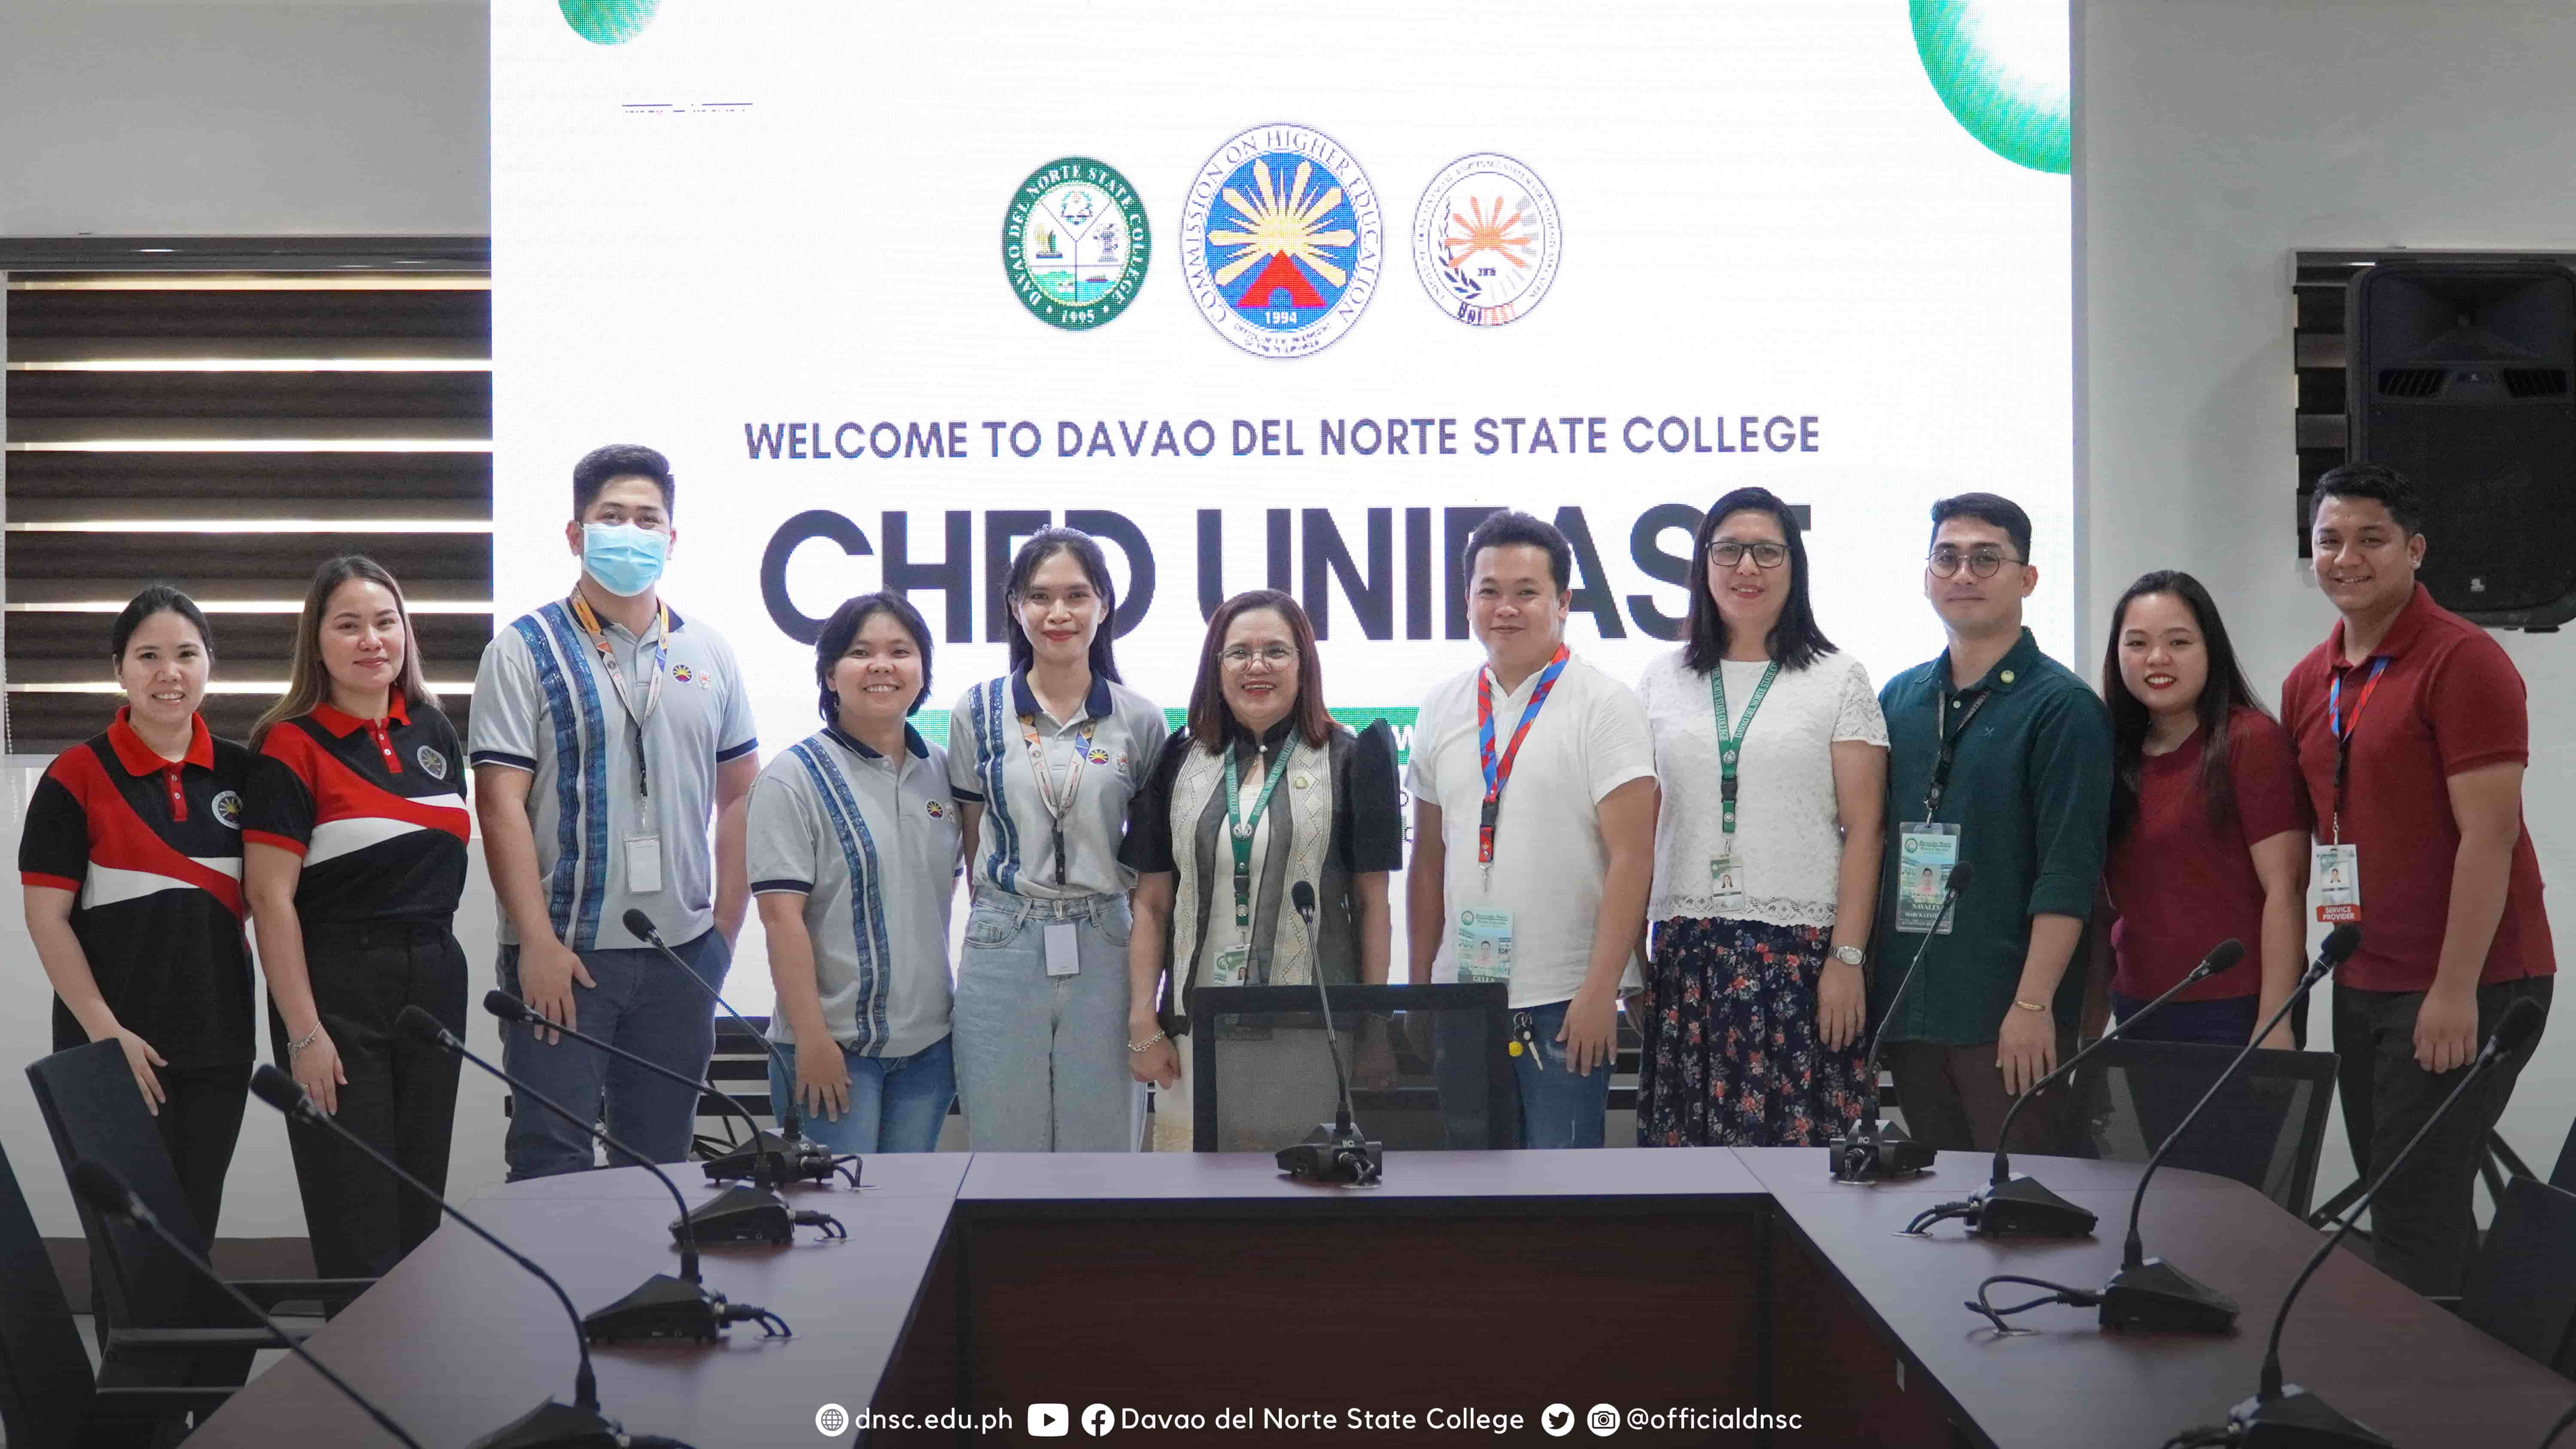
[(2012, 98), (608, 22)]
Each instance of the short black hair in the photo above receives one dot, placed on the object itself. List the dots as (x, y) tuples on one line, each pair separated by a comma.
[(844, 626), (155, 599), (1510, 527), (600, 466), (2394, 490), (1991, 508), (1795, 641)]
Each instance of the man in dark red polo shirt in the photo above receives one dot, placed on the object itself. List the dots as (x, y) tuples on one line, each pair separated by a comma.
[(2420, 839)]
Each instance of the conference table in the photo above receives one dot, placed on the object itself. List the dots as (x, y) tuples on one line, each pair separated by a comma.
[(1471, 1291)]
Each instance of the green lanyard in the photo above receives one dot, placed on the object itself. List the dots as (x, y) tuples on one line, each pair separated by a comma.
[(1730, 745), (1242, 828)]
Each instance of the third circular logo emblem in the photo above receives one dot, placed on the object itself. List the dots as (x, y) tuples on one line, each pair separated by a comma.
[(1486, 239)]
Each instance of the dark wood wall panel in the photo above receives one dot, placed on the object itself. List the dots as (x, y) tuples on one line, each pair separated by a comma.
[(259, 522)]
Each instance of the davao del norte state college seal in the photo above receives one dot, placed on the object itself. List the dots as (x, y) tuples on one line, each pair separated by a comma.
[(1281, 240), (1075, 243), (1485, 239)]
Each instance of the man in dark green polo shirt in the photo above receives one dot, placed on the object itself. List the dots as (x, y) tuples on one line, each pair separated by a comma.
[(2024, 794)]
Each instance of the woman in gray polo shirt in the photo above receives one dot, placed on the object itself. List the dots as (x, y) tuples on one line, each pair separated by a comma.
[(1044, 760), (853, 848)]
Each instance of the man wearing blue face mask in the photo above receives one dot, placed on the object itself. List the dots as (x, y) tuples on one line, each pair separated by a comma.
[(606, 731)]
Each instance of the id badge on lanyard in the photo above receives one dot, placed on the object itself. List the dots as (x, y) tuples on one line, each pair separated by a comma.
[(1926, 849), (643, 850), (1059, 805), (2336, 865), (1726, 869)]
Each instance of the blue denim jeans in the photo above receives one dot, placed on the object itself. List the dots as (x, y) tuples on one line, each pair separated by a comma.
[(897, 1104), (1558, 1108), (640, 1004), (1042, 1060)]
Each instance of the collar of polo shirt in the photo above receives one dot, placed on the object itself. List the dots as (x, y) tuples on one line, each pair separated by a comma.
[(912, 741), (2403, 631), (1025, 701), (140, 759), (342, 724)]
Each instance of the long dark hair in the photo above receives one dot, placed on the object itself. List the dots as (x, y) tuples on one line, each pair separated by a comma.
[(1042, 545), (844, 626), (1795, 640), (1211, 720), (2225, 692), (308, 679)]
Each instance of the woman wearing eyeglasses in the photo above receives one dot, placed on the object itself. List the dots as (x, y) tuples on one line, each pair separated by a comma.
[(1773, 759), (1261, 792)]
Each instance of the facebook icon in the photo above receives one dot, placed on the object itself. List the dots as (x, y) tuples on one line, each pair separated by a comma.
[(1098, 1420)]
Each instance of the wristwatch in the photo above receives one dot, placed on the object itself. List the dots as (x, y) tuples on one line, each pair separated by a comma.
[(1850, 955)]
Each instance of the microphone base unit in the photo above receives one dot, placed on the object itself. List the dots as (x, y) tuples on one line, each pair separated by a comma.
[(1890, 1156), (2297, 1420), (663, 1308), (773, 1157), (2157, 1297), (2019, 1207), (556, 1425), (741, 1215), (1335, 1155)]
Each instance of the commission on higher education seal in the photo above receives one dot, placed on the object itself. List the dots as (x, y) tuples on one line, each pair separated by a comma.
[(1075, 243), (1486, 239), (1281, 241)]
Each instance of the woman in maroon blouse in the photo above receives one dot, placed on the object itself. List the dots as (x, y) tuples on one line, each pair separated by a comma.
[(2207, 833)]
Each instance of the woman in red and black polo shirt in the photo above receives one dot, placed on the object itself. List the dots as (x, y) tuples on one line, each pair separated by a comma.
[(131, 862), (355, 834)]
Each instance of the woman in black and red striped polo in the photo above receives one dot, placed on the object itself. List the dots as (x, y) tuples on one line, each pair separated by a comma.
[(131, 865), (355, 837)]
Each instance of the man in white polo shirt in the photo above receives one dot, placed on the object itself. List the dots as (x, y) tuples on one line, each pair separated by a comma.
[(607, 731), (1533, 783)]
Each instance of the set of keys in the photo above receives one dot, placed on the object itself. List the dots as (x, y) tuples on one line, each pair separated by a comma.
[(1525, 1037)]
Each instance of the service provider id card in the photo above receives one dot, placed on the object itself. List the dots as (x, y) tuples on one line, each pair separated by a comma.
[(1924, 855), (1484, 945), (2337, 870)]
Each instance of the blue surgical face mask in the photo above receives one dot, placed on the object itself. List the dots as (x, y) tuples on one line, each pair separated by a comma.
[(622, 558)]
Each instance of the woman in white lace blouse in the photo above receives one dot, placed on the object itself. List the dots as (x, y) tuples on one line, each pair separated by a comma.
[(1765, 884)]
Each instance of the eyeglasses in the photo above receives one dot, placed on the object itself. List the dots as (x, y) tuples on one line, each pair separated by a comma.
[(1765, 555), (1982, 562), (1277, 656)]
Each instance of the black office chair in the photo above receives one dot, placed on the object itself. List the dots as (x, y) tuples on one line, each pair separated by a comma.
[(49, 1397), (92, 1110), (2265, 1129), (2522, 1286), (1430, 1070)]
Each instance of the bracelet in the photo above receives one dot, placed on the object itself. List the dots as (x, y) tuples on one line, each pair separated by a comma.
[(1140, 1046), (2030, 1005), (310, 1038)]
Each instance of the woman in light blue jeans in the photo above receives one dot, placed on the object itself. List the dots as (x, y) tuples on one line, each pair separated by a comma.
[(853, 840), (1044, 760)]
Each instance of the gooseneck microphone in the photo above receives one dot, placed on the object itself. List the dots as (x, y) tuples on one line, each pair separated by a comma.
[(2283, 1415), (1336, 1152), (103, 1188), (550, 1425), (787, 1153), (664, 1307), (739, 1214), (1872, 1149), (2151, 1293), (2012, 1205)]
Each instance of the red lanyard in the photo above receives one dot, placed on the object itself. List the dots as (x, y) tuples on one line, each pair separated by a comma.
[(2342, 731), (1499, 773)]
